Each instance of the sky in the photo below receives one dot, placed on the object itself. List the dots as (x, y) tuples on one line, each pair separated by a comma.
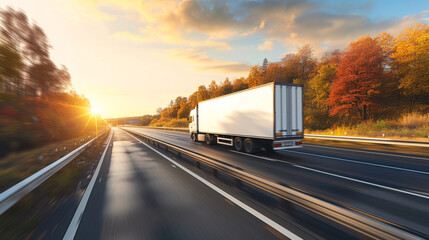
[(130, 57)]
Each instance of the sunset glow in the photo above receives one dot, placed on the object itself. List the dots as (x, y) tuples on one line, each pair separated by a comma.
[(135, 56)]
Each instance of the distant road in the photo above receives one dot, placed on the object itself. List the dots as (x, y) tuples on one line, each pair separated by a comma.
[(389, 185)]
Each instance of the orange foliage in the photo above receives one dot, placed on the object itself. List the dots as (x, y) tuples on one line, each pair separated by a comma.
[(358, 76)]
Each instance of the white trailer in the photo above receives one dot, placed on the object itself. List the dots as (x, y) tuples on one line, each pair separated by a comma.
[(269, 116)]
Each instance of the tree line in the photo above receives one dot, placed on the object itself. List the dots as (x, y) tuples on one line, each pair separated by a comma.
[(373, 78), (37, 104), (26, 68)]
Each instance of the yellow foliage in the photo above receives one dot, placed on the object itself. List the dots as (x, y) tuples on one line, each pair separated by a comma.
[(411, 55)]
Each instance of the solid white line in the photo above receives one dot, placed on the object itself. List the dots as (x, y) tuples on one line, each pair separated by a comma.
[(74, 224), (335, 175), (250, 210), (353, 150), (364, 182), (358, 162), (265, 158)]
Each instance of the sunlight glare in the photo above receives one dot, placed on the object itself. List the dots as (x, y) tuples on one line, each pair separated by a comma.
[(95, 109)]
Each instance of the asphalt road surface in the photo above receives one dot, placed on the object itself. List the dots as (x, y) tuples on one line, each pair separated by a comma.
[(139, 194), (392, 186)]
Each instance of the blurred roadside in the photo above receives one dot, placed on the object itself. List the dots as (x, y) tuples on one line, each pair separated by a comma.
[(41, 117)]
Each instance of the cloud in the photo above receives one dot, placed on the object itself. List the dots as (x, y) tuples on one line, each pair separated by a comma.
[(88, 8), (170, 39), (130, 36), (194, 23), (202, 62), (266, 46)]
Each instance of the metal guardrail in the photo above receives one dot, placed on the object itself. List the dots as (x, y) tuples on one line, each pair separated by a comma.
[(365, 224), (12, 195), (340, 138)]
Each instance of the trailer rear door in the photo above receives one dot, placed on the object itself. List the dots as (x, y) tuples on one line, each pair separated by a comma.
[(288, 111)]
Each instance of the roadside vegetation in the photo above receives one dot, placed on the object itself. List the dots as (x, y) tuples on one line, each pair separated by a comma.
[(411, 125), (41, 117), (37, 103), (377, 85)]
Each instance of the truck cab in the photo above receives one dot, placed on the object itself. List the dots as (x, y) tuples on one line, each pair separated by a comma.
[(193, 121)]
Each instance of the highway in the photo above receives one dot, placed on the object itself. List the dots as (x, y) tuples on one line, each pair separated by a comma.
[(140, 194), (388, 185)]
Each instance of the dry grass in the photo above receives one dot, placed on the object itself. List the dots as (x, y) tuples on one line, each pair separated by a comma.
[(414, 120), (412, 125), (169, 122)]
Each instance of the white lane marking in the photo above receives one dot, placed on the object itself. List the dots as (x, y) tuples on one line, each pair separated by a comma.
[(99, 180), (358, 162), (419, 192), (250, 210), (265, 158), (365, 182), (353, 150), (173, 165), (74, 224), (335, 175)]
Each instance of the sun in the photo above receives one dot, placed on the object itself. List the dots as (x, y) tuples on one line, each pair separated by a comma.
[(95, 109)]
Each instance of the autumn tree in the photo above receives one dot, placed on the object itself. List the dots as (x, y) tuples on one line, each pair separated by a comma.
[(225, 87), (192, 100), (275, 72), (202, 93), (321, 84), (290, 66), (411, 62), (239, 84), (184, 109), (255, 76), (213, 89), (10, 65), (359, 75), (38, 74), (306, 62)]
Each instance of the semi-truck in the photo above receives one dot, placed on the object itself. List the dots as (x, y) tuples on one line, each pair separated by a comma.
[(268, 116)]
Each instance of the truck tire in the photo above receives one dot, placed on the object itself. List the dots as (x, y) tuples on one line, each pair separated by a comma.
[(194, 137), (249, 145), (209, 140), (238, 144)]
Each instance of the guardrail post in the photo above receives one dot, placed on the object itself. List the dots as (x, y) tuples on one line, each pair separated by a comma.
[(179, 155), (215, 172), (198, 165)]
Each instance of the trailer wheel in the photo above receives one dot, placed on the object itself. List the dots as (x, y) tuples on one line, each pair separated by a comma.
[(209, 140), (249, 145), (238, 144), (194, 137)]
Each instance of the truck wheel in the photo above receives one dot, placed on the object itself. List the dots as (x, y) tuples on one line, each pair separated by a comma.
[(249, 145), (194, 137), (238, 144), (208, 139)]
